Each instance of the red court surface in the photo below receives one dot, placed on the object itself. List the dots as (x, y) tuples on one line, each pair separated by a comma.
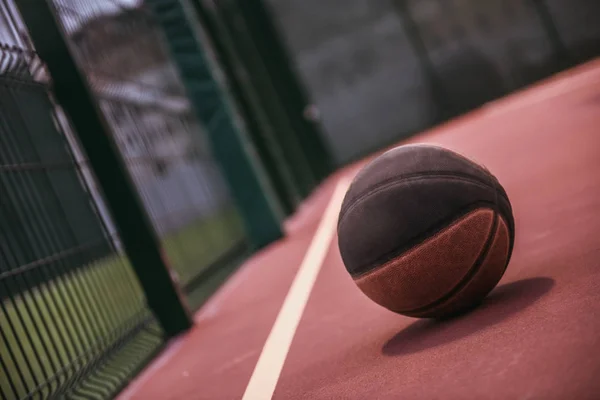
[(537, 336)]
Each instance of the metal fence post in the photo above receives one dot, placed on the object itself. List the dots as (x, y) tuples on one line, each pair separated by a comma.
[(242, 168), (284, 135), (139, 238), (291, 92), (251, 106)]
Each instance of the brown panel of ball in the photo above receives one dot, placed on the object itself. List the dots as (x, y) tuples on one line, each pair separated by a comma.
[(424, 274), (473, 290)]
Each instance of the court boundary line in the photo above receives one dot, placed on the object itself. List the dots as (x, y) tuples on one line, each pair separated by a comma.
[(267, 370)]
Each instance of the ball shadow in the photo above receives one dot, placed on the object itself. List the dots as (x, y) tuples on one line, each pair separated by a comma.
[(503, 302)]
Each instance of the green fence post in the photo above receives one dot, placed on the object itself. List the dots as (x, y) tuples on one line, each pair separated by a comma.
[(137, 233), (241, 167), (251, 107), (291, 91), (259, 75)]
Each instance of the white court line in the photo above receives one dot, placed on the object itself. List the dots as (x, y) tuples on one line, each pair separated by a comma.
[(270, 363)]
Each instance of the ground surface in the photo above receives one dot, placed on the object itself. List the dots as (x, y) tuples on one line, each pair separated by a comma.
[(535, 337)]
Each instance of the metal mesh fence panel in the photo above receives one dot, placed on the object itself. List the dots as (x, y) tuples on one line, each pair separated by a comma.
[(73, 318)]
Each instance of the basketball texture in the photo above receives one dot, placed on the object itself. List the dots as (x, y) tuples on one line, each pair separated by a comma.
[(425, 232)]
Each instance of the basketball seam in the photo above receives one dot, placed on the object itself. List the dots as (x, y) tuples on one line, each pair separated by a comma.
[(430, 233), (467, 277), (410, 177), (471, 272), (475, 268)]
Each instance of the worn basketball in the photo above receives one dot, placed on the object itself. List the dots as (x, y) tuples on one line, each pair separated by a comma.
[(425, 232)]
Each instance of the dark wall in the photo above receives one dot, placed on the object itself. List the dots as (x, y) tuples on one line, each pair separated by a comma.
[(361, 67), (355, 59)]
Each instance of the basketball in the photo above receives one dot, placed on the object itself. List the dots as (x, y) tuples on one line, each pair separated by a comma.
[(425, 232)]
